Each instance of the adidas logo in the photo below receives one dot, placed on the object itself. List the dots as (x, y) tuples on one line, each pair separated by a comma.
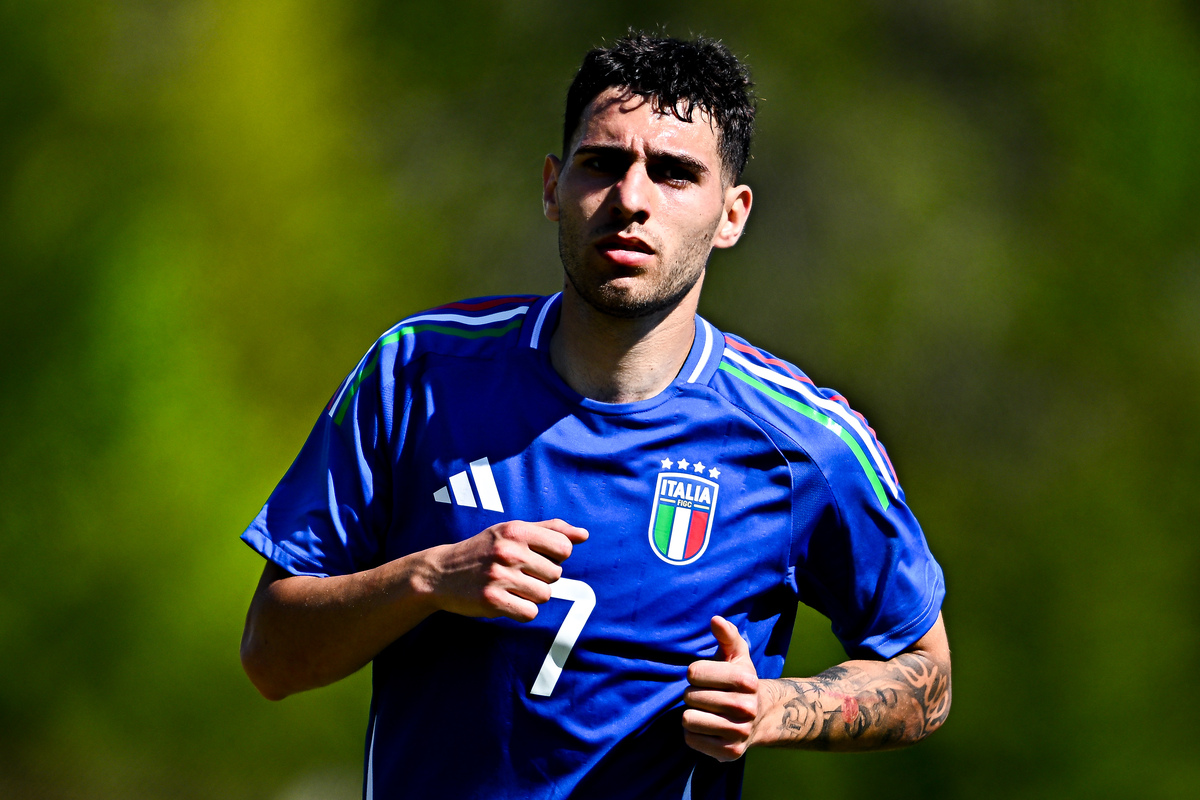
[(460, 487)]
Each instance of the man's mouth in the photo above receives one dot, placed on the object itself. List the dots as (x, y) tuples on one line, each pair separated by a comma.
[(628, 251)]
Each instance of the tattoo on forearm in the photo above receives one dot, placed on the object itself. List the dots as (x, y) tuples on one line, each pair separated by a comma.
[(877, 704)]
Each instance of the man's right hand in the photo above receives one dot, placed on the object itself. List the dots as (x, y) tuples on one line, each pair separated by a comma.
[(504, 571)]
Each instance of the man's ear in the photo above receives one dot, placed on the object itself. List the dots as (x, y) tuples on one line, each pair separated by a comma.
[(737, 209), (550, 173)]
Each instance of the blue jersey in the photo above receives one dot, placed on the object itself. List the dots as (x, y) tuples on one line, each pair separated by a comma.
[(738, 490)]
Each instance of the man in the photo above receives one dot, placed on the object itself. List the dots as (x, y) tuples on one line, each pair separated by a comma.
[(571, 531)]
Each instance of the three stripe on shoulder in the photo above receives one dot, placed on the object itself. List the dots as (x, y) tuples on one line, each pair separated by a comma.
[(440, 320), (801, 396)]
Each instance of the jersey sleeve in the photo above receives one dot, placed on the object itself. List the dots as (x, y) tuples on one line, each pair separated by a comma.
[(864, 561), (330, 512)]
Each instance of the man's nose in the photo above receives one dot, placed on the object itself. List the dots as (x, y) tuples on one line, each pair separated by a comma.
[(632, 194)]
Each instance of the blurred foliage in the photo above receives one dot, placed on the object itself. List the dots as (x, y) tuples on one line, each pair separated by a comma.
[(978, 219)]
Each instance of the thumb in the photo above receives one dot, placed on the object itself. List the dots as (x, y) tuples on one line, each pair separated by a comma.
[(732, 647)]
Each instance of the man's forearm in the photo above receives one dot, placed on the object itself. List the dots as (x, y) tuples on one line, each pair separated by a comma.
[(857, 705), (305, 632)]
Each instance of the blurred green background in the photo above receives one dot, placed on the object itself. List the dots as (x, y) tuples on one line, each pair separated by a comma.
[(976, 219)]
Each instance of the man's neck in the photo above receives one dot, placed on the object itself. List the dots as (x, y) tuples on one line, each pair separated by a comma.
[(616, 360)]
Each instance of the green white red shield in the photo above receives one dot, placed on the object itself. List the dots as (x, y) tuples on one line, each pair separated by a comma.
[(682, 516)]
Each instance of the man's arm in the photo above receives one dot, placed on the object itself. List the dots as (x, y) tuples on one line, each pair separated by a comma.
[(303, 632), (856, 705)]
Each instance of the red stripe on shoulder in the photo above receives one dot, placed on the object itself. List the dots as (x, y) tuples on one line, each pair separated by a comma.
[(757, 354), (886, 460), (874, 435), (495, 301)]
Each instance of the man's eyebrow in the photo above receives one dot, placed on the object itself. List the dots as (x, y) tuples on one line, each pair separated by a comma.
[(681, 159), (601, 150), (658, 156)]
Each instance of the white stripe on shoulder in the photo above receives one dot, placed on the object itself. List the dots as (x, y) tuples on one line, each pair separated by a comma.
[(831, 406), (708, 340), (541, 318), (346, 384), (499, 316), (462, 319)]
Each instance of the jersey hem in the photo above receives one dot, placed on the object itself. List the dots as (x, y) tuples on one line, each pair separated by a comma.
[(892, 643), (266, 547)]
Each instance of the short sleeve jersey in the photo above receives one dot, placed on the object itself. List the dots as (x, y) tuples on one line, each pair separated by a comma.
[(739, 490)]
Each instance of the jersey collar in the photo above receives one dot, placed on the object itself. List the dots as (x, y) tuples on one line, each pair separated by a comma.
[(702, 361)]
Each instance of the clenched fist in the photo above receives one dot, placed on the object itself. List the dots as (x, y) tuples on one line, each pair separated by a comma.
[(722, 701), (504, 571)]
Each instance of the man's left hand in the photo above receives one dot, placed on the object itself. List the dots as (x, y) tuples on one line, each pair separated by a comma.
[(722, 701)]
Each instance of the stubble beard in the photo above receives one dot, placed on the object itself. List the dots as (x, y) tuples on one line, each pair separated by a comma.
[(679, 277)]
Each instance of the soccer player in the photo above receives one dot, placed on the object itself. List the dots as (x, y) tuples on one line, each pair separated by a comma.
[(570, 532)]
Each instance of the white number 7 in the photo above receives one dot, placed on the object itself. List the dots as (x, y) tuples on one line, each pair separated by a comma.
[(583, 600)]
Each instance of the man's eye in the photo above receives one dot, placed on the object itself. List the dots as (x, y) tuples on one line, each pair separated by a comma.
[(676, 174), (600, 164)]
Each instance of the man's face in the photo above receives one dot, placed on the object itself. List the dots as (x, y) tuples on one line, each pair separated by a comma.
[(640, 203)]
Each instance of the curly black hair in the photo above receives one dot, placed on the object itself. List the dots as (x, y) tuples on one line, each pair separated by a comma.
[(679, 76)]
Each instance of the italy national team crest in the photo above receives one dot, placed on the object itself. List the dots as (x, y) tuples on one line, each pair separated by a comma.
[(682, 519)]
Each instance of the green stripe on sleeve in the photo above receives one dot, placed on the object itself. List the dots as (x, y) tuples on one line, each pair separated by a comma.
[(462, 333), (393, 337), (363, 374), (816, 416)]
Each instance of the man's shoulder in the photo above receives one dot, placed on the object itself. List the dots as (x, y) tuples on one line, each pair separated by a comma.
[(801, 416), (476, 327), (768, 387), (462, 331)]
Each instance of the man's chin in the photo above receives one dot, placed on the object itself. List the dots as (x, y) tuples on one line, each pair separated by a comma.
[(621, 310), (620, 303)]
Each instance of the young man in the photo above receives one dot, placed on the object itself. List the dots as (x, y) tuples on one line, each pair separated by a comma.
[(571, 531)]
